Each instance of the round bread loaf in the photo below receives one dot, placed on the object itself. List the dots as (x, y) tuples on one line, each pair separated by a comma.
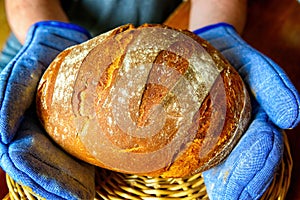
[(150, 100)]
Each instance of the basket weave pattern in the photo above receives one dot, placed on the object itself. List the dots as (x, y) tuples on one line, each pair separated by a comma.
[(116, 186), (111, 185)]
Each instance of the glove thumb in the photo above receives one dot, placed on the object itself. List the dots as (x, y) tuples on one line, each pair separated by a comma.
[(249, 169)]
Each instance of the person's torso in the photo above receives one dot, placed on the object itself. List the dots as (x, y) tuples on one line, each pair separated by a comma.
[(99, 16)]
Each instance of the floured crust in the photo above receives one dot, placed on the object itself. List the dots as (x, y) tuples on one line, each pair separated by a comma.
[(150, 100)]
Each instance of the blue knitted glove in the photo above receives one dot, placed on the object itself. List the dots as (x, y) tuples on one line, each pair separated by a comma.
[(19, 79), (249, 169), (26, 153)]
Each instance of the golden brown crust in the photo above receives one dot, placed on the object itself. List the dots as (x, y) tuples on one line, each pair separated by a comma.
[(149, 100)]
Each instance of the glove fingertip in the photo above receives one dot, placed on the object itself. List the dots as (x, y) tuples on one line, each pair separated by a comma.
[(277, 95), (286, 118), (5, 131), (10, 121)]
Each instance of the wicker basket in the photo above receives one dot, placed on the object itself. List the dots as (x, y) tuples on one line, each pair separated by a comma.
[(113, 185)]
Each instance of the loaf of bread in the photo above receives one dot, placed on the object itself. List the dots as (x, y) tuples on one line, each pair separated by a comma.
[(150, 100)]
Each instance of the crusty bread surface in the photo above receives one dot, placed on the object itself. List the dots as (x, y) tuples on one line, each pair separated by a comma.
[(150, 100)]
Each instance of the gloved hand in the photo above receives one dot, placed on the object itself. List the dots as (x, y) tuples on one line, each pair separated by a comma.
[(18, 80), (26, 153), (33, 160), (249, 169)]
